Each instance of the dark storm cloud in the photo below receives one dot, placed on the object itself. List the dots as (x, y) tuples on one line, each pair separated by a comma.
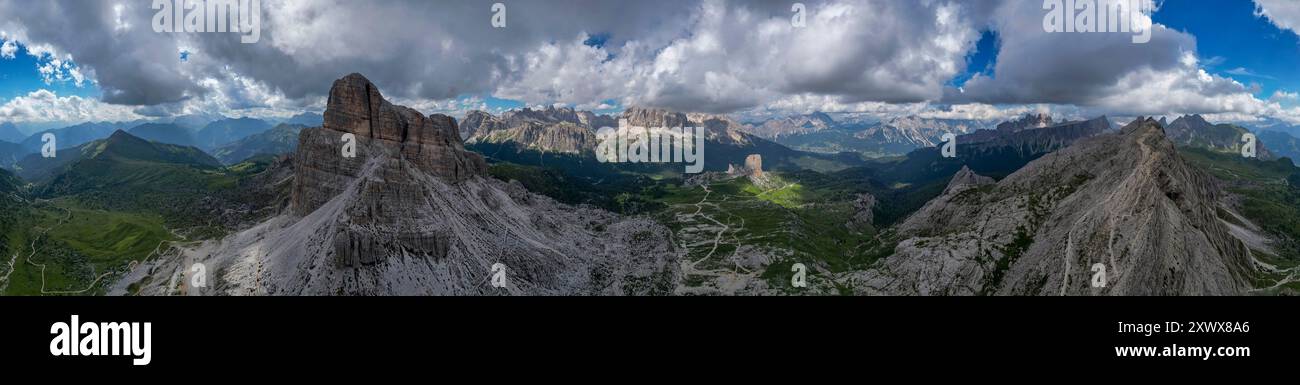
[(1034, 66), (132, 65), (421, 48)]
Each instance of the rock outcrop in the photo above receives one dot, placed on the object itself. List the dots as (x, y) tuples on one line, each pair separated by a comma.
[(752, 169), (1125, 201), (400, 135), (863, 213)]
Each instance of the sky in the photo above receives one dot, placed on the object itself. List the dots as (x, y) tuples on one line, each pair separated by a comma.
[(1232, 60)]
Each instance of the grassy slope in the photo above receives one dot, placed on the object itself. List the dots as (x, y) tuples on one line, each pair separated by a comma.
[(122, 200), (77, 245)]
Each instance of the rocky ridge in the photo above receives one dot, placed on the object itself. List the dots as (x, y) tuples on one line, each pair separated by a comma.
[(1124, 200)]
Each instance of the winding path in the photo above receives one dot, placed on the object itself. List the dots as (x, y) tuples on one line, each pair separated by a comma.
[(43, 266), (92, 284), (717, 240)]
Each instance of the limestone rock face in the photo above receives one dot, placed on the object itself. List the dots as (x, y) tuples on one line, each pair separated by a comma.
[(752, 169), (966, 179), (551, 130), (754, 162), (651, 118), (480, 122), (1126, 201), (718, 129), (596, 122), (547, 115), (565, 137), (381, 129), (863, 214)]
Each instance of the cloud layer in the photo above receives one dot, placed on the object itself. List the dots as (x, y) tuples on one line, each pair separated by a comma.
[(887, 56)]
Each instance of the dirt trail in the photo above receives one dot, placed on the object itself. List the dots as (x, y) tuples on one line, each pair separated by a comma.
[(727, 280), (717, 240), (97, 279)]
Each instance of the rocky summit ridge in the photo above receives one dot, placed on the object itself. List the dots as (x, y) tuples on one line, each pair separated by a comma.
[(398, 134), (1125, 201)]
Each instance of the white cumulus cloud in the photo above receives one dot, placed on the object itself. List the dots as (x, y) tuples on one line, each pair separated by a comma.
[(1285, 14), (42, 106)]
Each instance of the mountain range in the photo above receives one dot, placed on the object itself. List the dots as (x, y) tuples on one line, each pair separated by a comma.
[(1195, 131), (212, 134), (10, 133), (818, 132), (279, 140), (778, 128), (72, 136), (1281, 143), (225, 131), (430, 205), (531, 134)]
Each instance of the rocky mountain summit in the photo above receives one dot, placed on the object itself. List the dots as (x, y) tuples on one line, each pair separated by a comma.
[(718, 129), (1124, 202), (563, 137), (752, 169), (914, 132), (1029, 121), (1033, 134), (414, 213), (553, 130), (479, 121)]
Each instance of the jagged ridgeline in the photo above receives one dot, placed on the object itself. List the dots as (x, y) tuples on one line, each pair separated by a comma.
[(1126, 201)]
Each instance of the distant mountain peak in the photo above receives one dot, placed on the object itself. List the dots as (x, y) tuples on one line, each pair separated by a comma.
[(119, 135), (1028, 121), (1193, 120), (1194, 131), (10, 133), (821, 116)]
